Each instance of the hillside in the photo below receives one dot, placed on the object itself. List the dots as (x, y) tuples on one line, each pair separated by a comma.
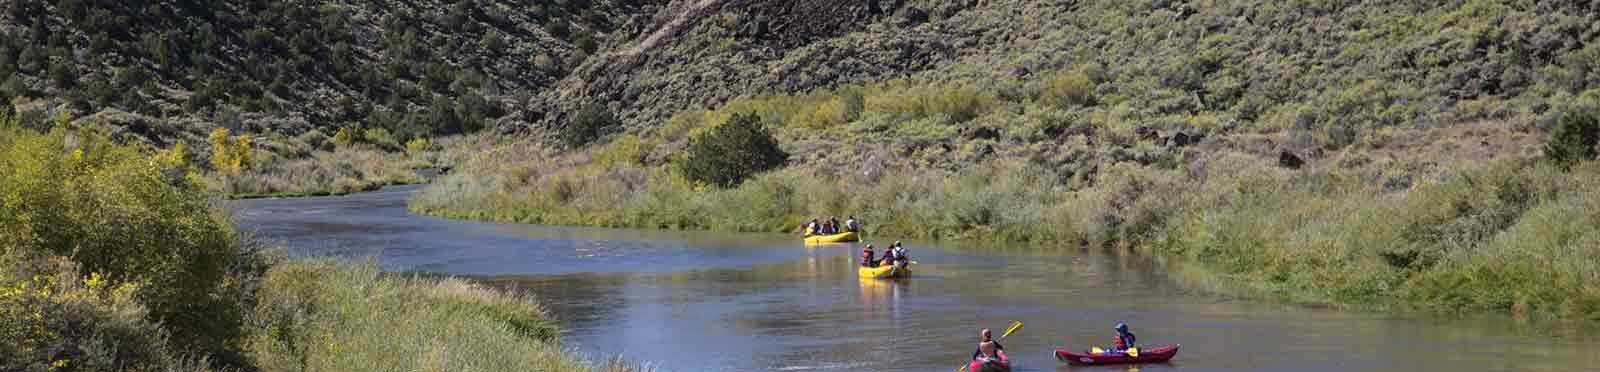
[(1371, 154), (435, 67), (1334, 68), (166, 69)]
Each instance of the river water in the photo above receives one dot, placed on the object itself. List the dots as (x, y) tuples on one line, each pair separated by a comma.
[(697, 301)]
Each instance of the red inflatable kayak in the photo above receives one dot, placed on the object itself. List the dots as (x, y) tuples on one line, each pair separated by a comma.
[(977, 365), (1151, 355)]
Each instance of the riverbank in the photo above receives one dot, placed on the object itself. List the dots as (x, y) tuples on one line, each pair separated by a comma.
[(312, 165), (114, 258)]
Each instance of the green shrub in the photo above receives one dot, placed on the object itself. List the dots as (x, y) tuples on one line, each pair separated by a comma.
[(728, 153), (59, 320), (113, 211), (591, 122), (419, 145), (229, 153), (381, 138), (1574, 139), (1069, 89), (345, 137)]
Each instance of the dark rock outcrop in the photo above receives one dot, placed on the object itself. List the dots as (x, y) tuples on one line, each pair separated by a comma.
[(1289, 160)]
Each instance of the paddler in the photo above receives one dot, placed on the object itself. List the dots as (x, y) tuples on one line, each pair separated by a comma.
[(989, 354), (851, 224), (1124, 339), (866, 257), (888, 257), (899, 251), (989, 338)]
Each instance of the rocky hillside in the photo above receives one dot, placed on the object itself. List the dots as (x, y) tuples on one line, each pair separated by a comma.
[(1331, 71), (704, 52), (415, 67), (1334, 70)]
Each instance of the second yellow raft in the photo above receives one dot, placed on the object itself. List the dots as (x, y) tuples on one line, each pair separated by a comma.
[(885, 272), (844, 237)]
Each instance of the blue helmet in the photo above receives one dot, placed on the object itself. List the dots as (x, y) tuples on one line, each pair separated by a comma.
[(1122, 327)]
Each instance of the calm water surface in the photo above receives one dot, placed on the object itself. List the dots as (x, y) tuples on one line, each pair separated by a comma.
[(695, 301)]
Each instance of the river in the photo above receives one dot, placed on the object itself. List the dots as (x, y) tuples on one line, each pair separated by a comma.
[(698, 301)]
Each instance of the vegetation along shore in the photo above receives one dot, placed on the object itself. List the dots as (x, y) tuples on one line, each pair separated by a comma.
[(116, 257)]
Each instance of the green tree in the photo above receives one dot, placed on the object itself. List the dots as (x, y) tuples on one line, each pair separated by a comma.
[(1574, 139), (729, 153)]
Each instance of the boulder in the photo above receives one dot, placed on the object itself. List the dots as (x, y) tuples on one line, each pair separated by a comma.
[(981, 133), (1289, 160)]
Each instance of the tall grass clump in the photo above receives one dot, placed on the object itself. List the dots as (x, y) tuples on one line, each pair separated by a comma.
[(327, 316), (321, 316), (1499, 238)]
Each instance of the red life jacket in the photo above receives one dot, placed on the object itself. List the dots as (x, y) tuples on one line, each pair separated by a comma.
[(1123, 343)]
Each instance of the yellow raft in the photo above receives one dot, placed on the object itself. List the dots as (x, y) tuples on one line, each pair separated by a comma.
[(885, 272), (844, 237)]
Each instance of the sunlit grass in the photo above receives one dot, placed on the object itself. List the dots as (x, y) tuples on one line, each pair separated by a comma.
[(322, 316)]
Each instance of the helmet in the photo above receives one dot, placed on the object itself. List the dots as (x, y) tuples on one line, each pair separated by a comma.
[(986, 334), (1122, 327)]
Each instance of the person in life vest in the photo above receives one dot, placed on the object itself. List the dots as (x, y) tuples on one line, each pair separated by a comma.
[(987, 337), (834, 221), (990, 358), (852, 225), (813, 228), (866, 257), (899, 251), (888, 257), (1124, 339)]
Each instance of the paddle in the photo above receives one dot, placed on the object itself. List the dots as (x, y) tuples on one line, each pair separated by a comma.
[(1015, 325)]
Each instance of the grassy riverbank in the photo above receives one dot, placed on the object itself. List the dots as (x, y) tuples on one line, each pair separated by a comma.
[(1513, 235), (314, 164), (324, 316), (114, 258)]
